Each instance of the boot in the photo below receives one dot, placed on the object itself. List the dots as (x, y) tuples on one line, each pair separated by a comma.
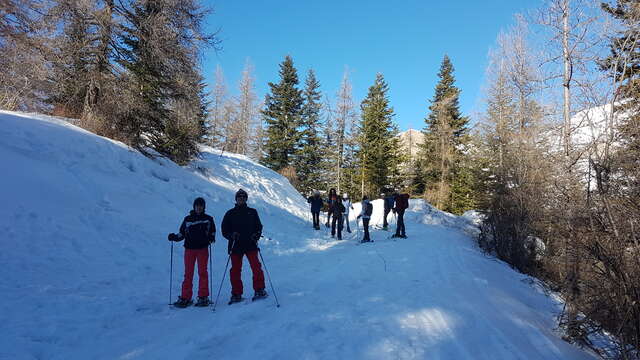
[(235, 299), (182, 303), (259, 294), (203, 301)]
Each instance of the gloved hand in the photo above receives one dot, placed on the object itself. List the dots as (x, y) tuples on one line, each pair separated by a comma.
[(212, 239), (358, 217), (173, 237), (255, 237)]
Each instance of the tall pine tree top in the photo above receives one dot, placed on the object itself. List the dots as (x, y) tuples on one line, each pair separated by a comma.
[(625, 52), (445, 103), (309, 155), (282, 114), (379, 143)]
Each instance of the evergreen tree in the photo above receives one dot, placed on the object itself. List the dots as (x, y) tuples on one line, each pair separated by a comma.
[(282, 114), (447, 184), (625, 62), (161, 44), (309, 158), (379, 144)]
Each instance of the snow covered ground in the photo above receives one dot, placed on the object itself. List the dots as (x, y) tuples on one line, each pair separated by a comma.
[(85, 267)]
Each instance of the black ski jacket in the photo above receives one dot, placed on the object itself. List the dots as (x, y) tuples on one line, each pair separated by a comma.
[(316, 203), (197, 231), (245, 222)]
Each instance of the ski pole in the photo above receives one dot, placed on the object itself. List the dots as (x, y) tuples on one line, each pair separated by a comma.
[(269, 277), (210, 269), (171, 274), (221, 282)]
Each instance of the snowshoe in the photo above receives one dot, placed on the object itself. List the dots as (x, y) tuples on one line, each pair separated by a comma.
[(395, 236), (259, 294), (403, 236), (203, 301), (349, 231), (235, 299), (182, 303)]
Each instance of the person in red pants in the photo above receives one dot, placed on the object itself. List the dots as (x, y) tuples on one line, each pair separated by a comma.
[(198, 231), (242, 227)]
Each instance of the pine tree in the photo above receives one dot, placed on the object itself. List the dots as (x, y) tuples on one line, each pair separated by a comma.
[(625, 62), (309, 157), (161, 42), (282, 113), (378, 155), (447, 184)]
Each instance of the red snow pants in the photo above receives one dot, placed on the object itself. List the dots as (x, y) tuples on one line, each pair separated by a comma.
[(235, 274), (190, 258)]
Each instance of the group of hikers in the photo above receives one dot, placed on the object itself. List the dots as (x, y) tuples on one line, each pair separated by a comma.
[(338, 210), (242, 228)]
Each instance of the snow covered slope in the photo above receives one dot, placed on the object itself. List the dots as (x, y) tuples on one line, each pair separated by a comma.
[(85, 267)]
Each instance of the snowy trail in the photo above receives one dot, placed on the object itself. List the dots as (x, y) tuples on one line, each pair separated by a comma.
[(86, 264), (438, 299)]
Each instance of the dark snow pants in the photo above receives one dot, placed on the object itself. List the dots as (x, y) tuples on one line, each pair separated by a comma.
[(337, 220), (316, 219), (384, 221), (235, 274), (190, 258), (365, 226), (400, 223)]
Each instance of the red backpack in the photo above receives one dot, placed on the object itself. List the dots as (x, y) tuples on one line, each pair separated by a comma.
[(402, 202)]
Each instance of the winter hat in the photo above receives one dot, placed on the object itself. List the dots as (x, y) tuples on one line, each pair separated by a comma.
[(241, 193), (365, 198), (199, 201), (316, 192), (345, 196)]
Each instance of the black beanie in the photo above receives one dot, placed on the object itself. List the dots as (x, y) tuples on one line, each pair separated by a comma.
[(241, 193), (199, 201)]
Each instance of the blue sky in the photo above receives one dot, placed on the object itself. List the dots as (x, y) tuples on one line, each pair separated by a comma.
[(403, 40)]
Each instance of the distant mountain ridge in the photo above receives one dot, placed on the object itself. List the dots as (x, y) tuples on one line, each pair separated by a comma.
[(410, 141)]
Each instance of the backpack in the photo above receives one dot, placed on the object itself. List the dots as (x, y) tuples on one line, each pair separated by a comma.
[(402, 202), (369, 210)]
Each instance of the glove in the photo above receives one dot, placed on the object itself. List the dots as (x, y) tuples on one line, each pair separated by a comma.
[(255, 237), (173, 237), (229, 249), (359, 216), (212, 239)]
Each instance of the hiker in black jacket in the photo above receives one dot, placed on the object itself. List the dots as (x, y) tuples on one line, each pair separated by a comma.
[(337, 213), (242, 227), (316, 205), (198, 231)]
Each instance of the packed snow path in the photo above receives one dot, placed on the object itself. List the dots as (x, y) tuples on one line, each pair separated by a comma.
[(86, 268)]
